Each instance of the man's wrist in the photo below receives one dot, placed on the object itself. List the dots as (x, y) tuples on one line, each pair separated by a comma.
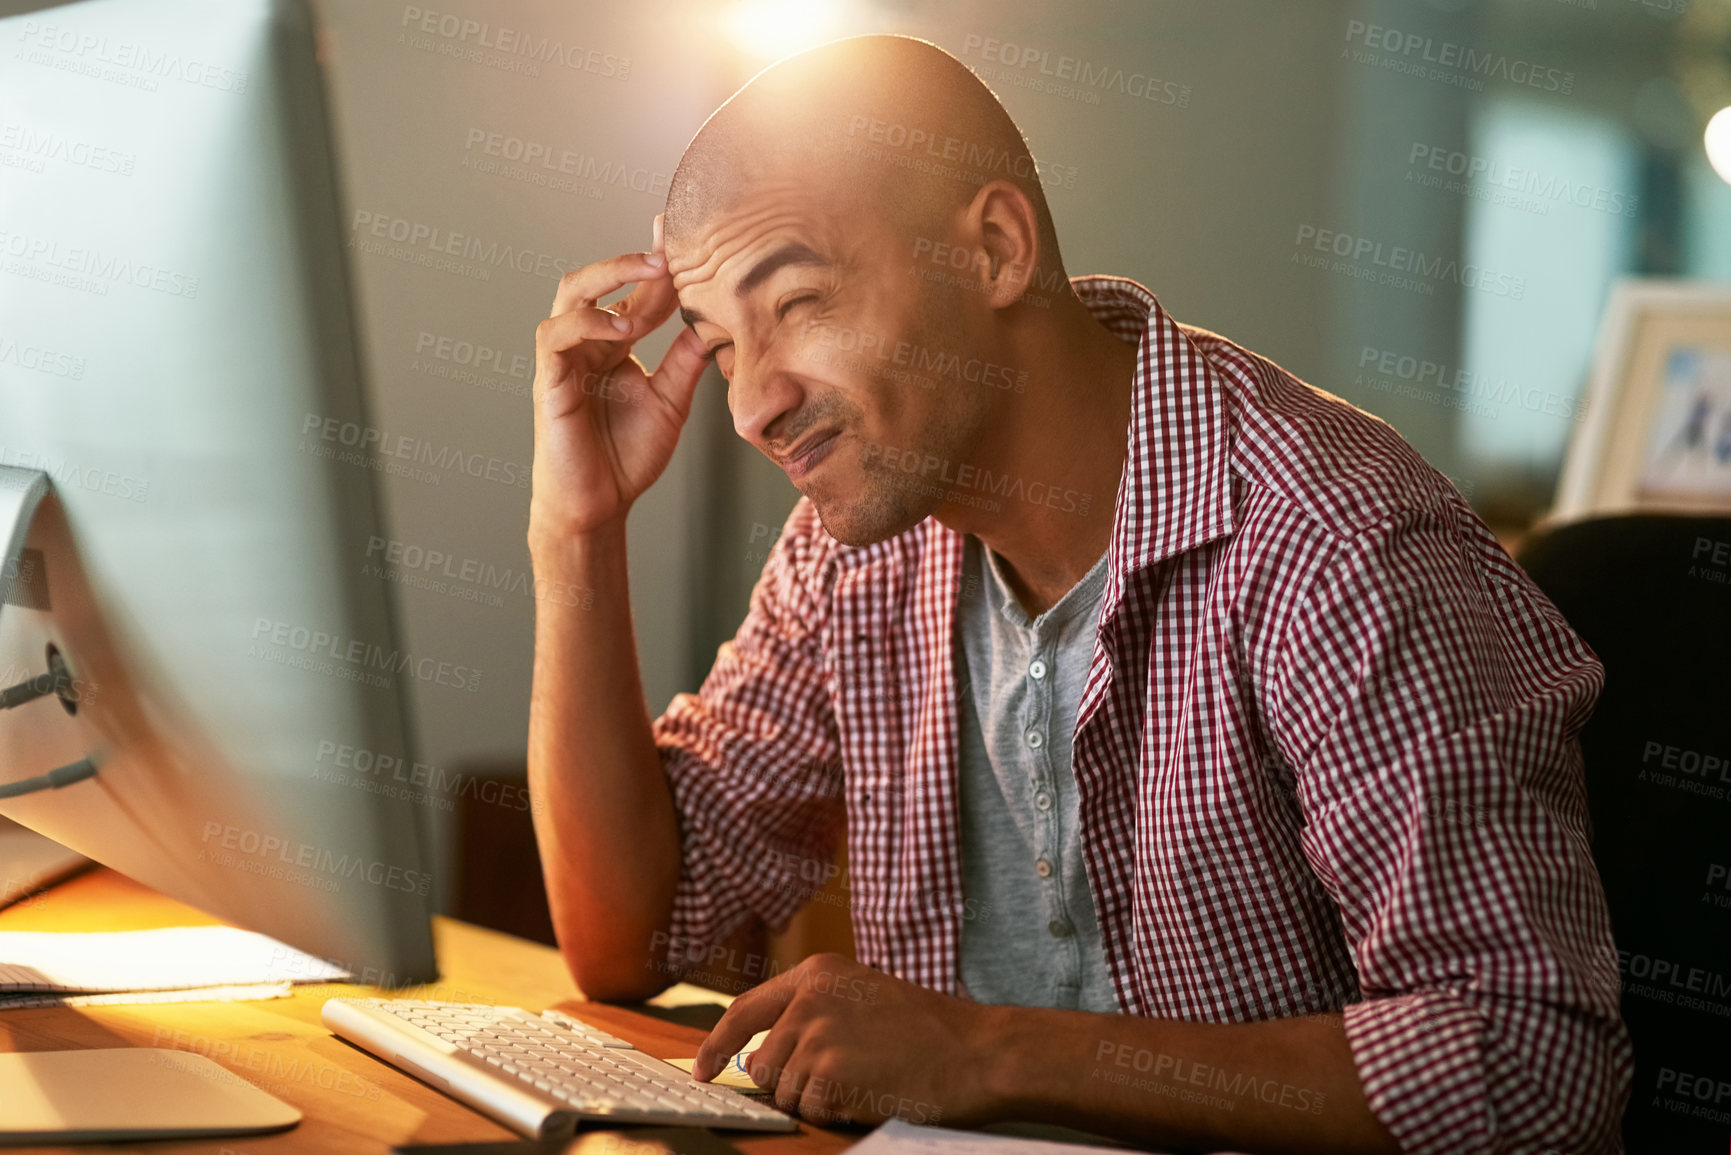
[(551, 548), (1000, 1061)]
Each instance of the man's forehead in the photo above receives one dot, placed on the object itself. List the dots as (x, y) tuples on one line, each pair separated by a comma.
[(760, 266), (738, 249), (762, 218)]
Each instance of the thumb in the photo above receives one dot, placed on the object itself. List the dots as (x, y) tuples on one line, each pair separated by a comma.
[(675, 379)]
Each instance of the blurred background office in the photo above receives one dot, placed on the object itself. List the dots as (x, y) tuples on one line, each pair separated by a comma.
[(1418, 205)]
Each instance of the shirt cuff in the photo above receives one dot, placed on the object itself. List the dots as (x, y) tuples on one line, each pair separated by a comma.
[(1420, 1061)]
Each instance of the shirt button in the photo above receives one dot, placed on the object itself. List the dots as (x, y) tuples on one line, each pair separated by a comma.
[(1043, 868), (1043, 800), (1060, 928), (1036, 669), (1036, 739)]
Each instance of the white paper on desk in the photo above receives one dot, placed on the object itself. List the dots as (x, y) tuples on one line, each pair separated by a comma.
[(173, 958), (898, 1137), (733, 1076), (249, 992)]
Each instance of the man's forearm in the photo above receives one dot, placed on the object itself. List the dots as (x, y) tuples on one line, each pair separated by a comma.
[(604, 816), (1286, 1085)]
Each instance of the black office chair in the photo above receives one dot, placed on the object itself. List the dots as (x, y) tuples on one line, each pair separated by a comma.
[(1651, 594)]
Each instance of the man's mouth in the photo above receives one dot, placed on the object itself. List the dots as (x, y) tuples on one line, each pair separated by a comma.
[(808, 454)]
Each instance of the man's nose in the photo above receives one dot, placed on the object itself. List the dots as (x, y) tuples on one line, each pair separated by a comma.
[(761, 392)]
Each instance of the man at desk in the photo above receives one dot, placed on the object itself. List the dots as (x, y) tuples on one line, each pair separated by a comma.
[(1208, 771)]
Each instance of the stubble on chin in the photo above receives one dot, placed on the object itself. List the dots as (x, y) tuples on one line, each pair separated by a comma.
[(872, 509)]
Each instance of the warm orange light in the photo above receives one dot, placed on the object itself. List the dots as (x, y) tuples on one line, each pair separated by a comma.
[(771, 29)]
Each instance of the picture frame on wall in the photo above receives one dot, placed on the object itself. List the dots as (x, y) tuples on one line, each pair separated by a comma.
[(1657, 432)]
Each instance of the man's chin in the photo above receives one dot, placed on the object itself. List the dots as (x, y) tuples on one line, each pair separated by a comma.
[(858, 520)]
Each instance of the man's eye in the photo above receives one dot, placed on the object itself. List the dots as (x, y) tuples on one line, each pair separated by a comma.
[(711, 353), (781, 311)]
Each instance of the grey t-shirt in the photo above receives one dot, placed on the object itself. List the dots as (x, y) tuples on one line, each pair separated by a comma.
[(1030, 936)]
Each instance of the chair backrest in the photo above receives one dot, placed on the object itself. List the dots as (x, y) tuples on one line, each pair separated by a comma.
[(1651, 594)]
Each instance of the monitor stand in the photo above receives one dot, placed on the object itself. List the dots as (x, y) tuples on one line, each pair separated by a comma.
[(109, 1095)]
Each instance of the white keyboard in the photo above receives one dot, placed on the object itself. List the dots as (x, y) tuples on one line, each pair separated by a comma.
[(539, 1074)]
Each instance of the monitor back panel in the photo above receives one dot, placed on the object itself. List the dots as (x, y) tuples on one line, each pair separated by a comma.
[(176, 353)]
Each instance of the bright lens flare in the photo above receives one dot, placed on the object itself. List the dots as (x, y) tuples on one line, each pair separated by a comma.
[(1719, 143), (771, 29)]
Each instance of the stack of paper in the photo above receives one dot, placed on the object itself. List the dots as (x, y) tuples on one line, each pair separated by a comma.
[(898, 1137), (176, 964)]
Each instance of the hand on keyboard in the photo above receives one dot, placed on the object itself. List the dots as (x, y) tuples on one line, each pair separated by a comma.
[(847, 1042)]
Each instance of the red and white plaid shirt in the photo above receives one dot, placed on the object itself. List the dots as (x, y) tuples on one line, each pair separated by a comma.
[(1326, 756)]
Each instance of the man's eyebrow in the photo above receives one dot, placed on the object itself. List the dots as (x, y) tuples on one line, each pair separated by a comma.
[(792, 253)]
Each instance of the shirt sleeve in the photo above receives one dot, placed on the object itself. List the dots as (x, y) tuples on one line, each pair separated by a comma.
[(753, 763), (1428, 698)]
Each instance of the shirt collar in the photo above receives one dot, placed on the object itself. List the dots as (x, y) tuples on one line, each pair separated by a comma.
[(1175, 492)]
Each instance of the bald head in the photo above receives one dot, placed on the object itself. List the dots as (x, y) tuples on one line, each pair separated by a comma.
[(860, 241), (886, 124)]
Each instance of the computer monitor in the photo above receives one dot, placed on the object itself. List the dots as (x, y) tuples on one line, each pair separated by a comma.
[(177, 355)]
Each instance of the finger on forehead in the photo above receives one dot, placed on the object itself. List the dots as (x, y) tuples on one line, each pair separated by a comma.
[(587, 285), (653, 300)]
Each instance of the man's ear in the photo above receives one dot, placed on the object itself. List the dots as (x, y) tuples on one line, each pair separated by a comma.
[(1003, 221)]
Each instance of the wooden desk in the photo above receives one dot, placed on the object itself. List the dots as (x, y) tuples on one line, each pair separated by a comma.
[(352, 1101)]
